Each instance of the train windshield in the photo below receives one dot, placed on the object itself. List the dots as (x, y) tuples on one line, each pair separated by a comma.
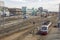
[(44, 28)]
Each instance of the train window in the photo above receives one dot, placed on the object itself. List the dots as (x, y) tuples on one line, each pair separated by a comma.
[(44, 28)]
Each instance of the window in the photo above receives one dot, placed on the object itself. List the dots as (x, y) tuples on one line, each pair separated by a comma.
[(44, 28)]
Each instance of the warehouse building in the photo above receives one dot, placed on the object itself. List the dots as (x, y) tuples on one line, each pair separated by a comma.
[(15, 11)]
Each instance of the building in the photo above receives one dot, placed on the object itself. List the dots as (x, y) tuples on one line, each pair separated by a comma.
[(33, 11), (4, 11), (45, 10), (29, 11), (1, 3), (15, 11), (1, 7), (40, 9), (24, 10)]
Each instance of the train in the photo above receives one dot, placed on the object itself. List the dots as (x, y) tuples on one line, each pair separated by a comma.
[(44, 29)]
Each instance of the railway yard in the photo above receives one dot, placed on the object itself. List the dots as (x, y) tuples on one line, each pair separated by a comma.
[(29, 20), (17, 28)]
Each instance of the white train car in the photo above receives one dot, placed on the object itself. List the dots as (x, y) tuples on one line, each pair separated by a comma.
[(45, 27)]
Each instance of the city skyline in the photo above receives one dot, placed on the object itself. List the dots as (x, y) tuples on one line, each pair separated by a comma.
[(51, 5)]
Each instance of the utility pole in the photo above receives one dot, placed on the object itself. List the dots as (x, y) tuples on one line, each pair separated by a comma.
[(59, 20), (59, 17), (59, 13)]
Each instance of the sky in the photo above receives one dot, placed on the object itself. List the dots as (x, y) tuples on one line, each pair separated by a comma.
[(51, 5)]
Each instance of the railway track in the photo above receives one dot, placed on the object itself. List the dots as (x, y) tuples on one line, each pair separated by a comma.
[(19, 38), (25, 34), (25, 31), (21, 34), (45, 37), (28, 32), (16, 22), (8, 19), (11, 17), (13, 28), (40, 37)]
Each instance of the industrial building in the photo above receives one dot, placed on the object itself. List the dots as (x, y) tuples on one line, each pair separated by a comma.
[(15, 11)]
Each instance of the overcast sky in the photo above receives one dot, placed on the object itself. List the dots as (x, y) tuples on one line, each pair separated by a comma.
[(51, 5)]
